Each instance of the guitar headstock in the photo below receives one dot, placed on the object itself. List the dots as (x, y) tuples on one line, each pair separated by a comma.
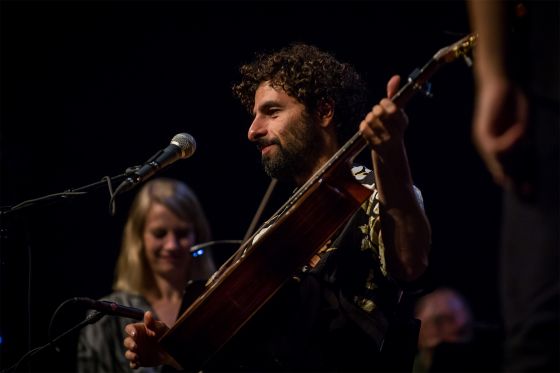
[(458, 49), (418, 79)]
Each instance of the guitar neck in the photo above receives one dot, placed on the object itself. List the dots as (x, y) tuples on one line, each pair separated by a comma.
[(417, 82), (356, 144)]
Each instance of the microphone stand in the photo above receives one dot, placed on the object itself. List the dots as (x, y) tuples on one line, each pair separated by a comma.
[(73, 192), (91, 318)]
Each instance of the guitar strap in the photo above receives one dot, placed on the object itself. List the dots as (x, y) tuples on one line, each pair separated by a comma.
[(320, 267)]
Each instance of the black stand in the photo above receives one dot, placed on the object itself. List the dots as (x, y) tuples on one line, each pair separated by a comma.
[(75, 192), (7, 212), (90, 319)]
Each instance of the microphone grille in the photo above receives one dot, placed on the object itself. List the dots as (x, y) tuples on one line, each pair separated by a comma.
[(186, 143)]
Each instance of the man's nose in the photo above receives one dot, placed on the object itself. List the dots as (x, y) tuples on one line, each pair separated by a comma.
[(257, 129)]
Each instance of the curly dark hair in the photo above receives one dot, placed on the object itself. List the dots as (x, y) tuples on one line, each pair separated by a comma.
[(311, 76)]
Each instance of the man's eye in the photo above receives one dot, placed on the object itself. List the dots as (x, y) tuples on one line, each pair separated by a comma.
[(273, 112)]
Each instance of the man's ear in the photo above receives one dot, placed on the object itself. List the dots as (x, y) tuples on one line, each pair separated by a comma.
[(325, 112)]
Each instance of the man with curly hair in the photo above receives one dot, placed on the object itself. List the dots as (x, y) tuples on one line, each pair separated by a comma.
[(337, 313)]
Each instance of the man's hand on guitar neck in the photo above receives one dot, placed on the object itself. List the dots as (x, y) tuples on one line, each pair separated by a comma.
[(143, 348)]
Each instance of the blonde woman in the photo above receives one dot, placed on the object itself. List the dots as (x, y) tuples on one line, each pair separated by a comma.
[(154, 266)]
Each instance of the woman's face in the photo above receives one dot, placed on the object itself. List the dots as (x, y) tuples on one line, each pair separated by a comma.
[(167, 241)]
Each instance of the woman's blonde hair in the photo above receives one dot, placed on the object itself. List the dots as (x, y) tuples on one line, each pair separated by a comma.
[(132, 273)]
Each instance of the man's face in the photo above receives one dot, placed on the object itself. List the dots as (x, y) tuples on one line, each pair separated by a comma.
[(284, 132)]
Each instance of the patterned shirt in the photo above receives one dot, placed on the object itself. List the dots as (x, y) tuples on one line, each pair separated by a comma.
[(360, 254), (334, 314)]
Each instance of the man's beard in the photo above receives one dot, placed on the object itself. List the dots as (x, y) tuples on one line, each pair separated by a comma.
[(302, 147)]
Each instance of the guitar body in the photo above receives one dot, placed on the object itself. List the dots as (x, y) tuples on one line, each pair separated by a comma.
[(248, 283)]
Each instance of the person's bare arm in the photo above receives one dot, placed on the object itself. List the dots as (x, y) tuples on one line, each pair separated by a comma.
[(501, 108), (404, 226)]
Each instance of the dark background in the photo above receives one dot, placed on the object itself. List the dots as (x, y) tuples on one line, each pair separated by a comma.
[(91, 88)]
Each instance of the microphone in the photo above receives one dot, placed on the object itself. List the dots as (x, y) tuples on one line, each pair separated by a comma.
[(182, 146), (111, 308)]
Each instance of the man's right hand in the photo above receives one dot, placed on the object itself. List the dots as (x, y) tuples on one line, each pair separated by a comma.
[(142, 344)]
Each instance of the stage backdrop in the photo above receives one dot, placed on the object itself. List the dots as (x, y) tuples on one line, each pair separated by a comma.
[(89, 89)]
